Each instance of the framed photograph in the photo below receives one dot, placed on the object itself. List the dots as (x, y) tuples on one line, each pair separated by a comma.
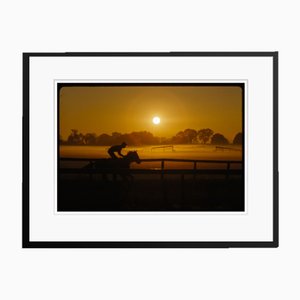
[(136, 150)]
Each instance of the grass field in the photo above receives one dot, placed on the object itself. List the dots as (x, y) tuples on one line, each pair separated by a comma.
[(152, 192)]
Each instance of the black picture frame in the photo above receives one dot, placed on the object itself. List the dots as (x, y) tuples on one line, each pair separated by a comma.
[(26, 243)]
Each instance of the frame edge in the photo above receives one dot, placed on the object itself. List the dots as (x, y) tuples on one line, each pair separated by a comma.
[(275, 153), (26, 243), (25, 153)]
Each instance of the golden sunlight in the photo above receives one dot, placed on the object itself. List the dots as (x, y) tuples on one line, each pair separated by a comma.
[(156, 120)]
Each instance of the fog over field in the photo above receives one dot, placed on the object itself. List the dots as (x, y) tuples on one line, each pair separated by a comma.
[(197, 152)]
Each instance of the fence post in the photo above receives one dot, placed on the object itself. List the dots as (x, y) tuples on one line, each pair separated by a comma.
[(162, 169), (195, 169), (182, 186), (163, 185), (91, 172), (228, 169)]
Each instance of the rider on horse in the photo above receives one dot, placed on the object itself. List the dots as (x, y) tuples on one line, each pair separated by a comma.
[(117, 148)]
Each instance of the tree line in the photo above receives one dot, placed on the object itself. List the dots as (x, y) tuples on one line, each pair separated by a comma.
[(136, 138)]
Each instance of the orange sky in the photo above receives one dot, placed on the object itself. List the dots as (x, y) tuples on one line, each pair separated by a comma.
[(106, 109)]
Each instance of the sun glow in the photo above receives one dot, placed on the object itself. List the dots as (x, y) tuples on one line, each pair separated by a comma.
[(156, 120)]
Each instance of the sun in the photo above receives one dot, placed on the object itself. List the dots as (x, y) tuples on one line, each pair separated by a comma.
[(156, 120)]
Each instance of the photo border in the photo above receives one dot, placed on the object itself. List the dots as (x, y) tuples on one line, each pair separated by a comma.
[(26, 243)]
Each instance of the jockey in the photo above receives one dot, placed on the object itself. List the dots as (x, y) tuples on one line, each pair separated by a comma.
[(117, 148)]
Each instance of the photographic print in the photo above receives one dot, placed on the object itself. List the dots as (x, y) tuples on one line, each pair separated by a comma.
[(150, 150), (150, 147)]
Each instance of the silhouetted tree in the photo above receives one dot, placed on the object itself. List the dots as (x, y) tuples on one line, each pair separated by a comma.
[(129, 139), (164, 140), (219, 139), (104, 140), (74, 138), (133, 138), (190, 135), (180, 138), (81, 140), (116, 137), (238, 139), (90, 139), (204, 135), (146, 138)]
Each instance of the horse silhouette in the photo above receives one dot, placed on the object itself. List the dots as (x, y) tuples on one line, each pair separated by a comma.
[(120, 166)]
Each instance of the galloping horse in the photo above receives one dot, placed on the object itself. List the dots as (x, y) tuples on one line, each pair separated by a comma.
[(119, 166)]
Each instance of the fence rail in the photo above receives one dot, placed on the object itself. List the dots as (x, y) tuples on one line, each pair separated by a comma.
[(162, 171), (159, 159), (228, 148), (226, 170), (163, 147), (150, 171)]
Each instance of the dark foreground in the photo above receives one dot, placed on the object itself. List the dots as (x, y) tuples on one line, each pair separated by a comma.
[(151, 193)]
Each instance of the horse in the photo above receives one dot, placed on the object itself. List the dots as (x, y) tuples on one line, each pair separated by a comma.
[(116, 190), (115, 166)]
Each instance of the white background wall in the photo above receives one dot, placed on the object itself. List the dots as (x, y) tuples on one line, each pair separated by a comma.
[(154, 26)]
